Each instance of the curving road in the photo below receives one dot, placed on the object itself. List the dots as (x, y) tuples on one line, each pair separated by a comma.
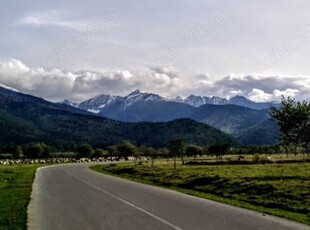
[(74, 197)]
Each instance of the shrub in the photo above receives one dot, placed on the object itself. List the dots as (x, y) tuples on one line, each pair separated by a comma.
[(255, 158)]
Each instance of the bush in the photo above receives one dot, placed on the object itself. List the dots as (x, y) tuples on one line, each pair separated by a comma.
[(256, 158), (85, 150), (100, 153)]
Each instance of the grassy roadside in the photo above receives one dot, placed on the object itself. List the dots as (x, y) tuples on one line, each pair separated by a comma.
[(277, 189), (15, 189)]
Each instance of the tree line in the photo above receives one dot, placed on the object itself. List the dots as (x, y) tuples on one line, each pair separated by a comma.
[(177, 148)]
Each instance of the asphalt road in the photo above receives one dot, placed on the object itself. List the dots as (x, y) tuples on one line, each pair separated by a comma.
[(74, 197)]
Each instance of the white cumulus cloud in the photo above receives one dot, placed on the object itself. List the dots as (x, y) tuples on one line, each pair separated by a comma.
[(57, 85)]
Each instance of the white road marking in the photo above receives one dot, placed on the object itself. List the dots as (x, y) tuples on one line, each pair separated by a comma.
[(126, 202)]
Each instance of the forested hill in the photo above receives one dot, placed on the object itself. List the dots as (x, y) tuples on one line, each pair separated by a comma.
[(26, 119)]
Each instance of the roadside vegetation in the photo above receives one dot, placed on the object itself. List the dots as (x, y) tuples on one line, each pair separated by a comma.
[(15, 189), (278, 189)]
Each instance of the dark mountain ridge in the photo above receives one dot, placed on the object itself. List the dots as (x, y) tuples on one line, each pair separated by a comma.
[(27, 119)]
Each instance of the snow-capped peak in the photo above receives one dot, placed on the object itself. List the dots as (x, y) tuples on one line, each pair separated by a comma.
[(138, 96), (98, 103), (105, 102), (201, 100), (68, 102), (136, 92)]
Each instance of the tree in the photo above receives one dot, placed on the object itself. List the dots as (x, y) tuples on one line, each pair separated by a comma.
[(194, 150), (149, 151), (35, 151), (18, 152), (163, 152), (126, 149), (218, 150), (306, 139), (112, 150), (99, 153), (205, 150), (293, 119), (46, 151), (177, 149), (84, 150)]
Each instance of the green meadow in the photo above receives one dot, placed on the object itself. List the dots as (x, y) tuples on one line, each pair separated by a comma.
[(15, 189), (278, 189)]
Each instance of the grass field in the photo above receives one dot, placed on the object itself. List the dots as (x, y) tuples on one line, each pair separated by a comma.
[(278, 189), (15, 190)]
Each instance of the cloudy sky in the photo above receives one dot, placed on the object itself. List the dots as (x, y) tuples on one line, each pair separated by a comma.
[(78, 49)]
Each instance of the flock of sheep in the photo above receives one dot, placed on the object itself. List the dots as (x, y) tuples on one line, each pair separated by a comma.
[(34, 161), (66, 160)]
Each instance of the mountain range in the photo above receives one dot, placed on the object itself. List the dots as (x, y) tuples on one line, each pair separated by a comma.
[(237, 116), (101, 102), (25, 119)]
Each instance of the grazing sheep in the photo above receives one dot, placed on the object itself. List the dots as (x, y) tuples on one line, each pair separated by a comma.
[(131, 158), (240, 158)]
